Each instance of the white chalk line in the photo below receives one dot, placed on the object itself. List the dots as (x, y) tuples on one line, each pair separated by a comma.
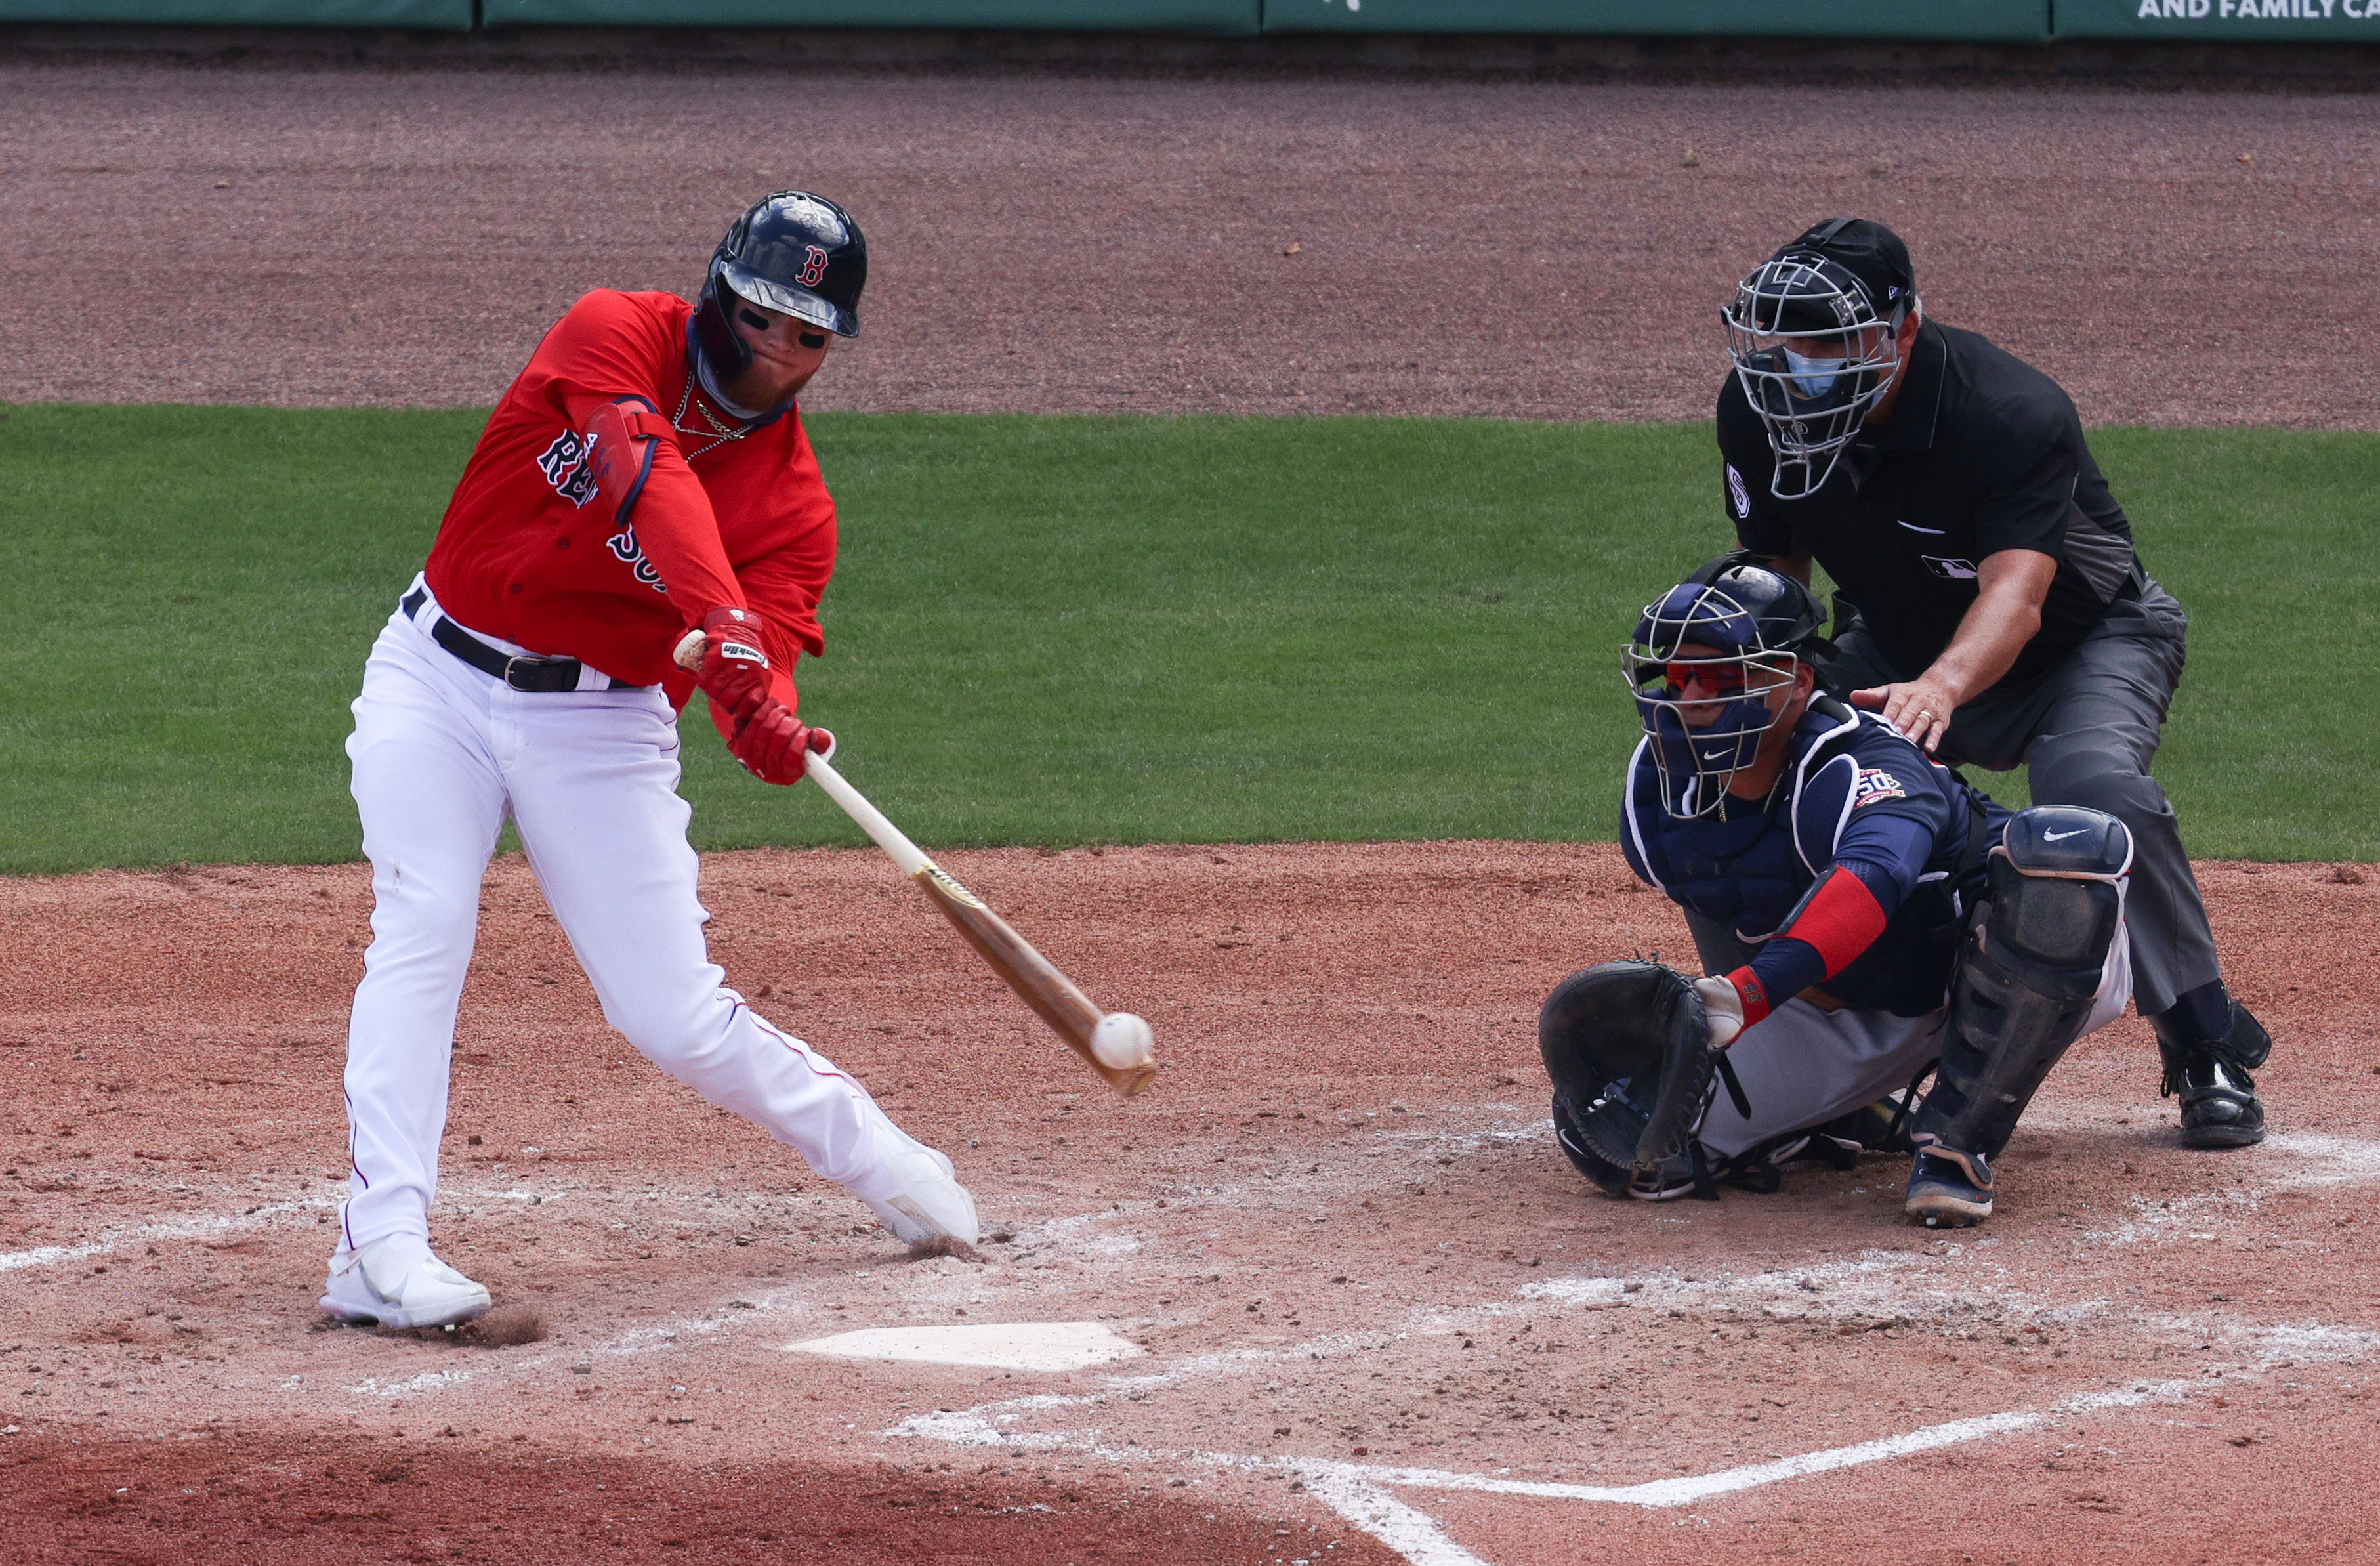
[(174, 1229), (2349, 1159), (1357, 1492), (1876, 1283), (458, 1192), (1361, 1493)]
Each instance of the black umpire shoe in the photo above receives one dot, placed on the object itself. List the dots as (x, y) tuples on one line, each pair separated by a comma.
[(2220, 1108)]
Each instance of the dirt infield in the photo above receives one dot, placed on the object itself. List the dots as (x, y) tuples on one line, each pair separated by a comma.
[(1543, 251), (1377, 1316)]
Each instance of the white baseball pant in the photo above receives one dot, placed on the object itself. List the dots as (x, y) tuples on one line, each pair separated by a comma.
[(442, 752)]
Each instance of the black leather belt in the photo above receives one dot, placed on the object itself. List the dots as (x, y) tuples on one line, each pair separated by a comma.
[(535, 674)]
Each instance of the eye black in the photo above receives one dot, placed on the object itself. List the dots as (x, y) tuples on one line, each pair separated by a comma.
[(754, 320), (813, 339)]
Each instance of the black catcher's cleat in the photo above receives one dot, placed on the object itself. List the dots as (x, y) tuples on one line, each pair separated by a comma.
[(1948, 1189), (2220, 1108)]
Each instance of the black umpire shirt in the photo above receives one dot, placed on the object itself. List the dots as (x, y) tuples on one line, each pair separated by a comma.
[(1983, 453)]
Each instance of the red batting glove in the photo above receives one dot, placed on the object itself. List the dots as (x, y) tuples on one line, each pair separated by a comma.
[(730, 664), (730, 661), (775, 747)]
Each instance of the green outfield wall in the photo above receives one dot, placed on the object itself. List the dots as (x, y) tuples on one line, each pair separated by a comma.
[(445, 16), (1242, 18), (1977, 22)]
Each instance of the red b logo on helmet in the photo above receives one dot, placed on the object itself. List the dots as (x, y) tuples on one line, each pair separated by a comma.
[(814, 266)]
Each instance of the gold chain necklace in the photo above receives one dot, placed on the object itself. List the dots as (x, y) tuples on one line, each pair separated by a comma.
[(719, 434)]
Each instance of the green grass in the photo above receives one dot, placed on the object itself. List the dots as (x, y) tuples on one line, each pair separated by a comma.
[(1054, 630)]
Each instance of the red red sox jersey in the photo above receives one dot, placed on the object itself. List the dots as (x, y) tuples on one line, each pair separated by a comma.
[(529, 552)]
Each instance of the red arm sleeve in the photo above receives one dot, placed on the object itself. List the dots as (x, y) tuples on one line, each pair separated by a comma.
[(1839, 918), (674, 524), (785, 584)]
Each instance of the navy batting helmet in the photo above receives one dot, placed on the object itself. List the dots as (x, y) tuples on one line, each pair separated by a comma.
[(1717, 647), (793, 252)]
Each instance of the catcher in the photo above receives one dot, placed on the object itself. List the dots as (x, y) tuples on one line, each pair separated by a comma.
[(1864, 915)]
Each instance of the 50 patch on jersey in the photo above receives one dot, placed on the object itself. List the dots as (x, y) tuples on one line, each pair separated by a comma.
[(1873, 783), (565, 467)]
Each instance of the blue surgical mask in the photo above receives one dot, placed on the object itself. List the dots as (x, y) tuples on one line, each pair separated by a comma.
[(1815, 379)]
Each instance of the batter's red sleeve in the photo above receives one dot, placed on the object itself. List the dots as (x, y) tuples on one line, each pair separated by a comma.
[(674, 522)]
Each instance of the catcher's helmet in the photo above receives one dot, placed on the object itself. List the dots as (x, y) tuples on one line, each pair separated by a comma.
[(793, 252), (1755, 624), (1811, 332)]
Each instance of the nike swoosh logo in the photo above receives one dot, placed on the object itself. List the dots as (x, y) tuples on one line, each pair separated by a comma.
[(2061, 836)]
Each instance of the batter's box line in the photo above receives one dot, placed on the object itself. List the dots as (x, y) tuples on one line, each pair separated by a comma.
[(1360, 1492), (169, 1228)]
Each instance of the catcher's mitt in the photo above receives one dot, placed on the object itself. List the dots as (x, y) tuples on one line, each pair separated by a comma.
[(1628, 1044)]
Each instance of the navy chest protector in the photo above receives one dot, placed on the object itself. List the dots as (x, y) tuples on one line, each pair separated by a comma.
[(1744, 870), (1747, 873)]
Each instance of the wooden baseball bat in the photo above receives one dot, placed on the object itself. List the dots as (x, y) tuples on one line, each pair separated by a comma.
[(1034, 978)]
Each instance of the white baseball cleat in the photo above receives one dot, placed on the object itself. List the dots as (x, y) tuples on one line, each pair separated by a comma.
[(397, 1282), (926, 1200)]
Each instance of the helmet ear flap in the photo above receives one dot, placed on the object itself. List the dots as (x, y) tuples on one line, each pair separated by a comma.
[(722, 348)]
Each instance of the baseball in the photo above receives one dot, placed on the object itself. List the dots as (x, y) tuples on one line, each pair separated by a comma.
[(1122, 1041)]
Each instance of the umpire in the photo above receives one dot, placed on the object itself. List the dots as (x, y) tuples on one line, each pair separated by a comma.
[(1991, 603)]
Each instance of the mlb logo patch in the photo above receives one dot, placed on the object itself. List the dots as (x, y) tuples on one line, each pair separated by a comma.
[(1873, 783)]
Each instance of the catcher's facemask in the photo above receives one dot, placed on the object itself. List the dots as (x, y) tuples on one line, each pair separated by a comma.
[(1707, 687), (1814, 357)]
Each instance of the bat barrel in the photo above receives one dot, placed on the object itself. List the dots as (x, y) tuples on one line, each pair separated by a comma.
[(1053, 995)]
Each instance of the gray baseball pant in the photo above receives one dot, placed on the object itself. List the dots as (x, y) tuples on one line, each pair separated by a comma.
[(2086, 732)]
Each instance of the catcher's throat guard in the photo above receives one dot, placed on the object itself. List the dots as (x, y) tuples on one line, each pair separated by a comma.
[(1627, 1045)]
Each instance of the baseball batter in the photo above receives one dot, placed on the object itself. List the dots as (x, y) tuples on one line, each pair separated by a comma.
[(643, 516), (1861, 913), (2001, 615)]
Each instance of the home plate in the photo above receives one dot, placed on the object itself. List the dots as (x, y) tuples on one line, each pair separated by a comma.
[(1013, 1346)]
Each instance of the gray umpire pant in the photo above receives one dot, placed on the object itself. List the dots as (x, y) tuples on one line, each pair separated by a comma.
[(2086, 732)]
